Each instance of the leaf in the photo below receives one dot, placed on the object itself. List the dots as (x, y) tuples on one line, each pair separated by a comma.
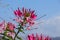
[(4, 38), (20, 27), (19, 38), (21, 30)]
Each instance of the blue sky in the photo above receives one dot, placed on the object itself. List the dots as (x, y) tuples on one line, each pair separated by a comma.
[(51, 8)]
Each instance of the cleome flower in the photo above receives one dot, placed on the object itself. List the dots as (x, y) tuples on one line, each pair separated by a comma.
[(2, 26), (10, 26), (25, 17), (38, 37)]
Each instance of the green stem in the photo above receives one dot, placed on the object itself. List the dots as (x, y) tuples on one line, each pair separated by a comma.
[(16, 34), (18, 31)]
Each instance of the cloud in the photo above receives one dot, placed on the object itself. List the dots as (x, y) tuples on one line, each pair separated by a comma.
[(52, 26)]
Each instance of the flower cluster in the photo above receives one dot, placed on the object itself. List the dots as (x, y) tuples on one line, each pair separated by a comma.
[(38, 37), (24, 18), (7, 29)]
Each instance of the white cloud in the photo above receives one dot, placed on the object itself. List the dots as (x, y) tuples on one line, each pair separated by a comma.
[(52, 26)]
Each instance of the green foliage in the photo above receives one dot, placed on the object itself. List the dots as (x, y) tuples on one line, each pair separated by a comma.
[(19, 38)]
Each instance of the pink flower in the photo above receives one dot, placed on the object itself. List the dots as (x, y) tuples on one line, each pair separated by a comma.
[(11, 34), (29, 21), (18, 20), (37, 37), (33, 16), (28, 28), (47, 38), (2, 26), (25, 17), (1, 31), (10, 26), (33, 37), (18, 13), (41, 37), (30, 37)]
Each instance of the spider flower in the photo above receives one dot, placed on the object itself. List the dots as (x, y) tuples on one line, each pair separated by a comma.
[(2, 26), (25, 17), (10, 26)]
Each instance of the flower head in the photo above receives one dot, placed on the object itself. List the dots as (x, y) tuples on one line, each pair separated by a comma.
[(11, 34), (33, 16), (25, 17), (10, 26), (18, 12), (2, 26)]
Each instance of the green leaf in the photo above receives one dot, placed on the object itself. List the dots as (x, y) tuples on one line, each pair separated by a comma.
[(19, 38), (21, 30), (20, 26), (4, 38)]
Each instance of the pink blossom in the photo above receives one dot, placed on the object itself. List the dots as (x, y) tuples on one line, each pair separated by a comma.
[(10, 26), (33, 16), (1, 31), (37, 37), (2, 26), (28, 28), (18, 20), (30, 37), (25, 17), (29, 21), (11, 34), (18, 13)]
